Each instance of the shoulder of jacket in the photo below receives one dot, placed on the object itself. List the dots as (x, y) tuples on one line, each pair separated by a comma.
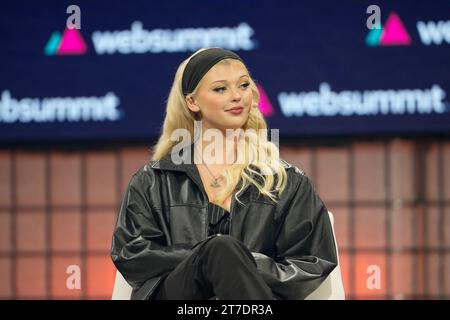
[(290, 167), (145, 175)]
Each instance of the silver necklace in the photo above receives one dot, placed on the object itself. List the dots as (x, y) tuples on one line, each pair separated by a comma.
[(215, 183)]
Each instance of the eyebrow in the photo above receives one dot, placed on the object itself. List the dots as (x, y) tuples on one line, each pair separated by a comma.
[(244, 75)]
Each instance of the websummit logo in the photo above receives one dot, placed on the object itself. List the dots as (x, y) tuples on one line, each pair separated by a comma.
[(71, 43), (392, 34)]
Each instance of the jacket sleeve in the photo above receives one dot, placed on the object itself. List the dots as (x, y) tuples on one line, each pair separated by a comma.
[(305, 251), (139, 247)]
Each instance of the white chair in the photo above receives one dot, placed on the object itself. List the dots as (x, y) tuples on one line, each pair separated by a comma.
[(122, 290), (331, 289)]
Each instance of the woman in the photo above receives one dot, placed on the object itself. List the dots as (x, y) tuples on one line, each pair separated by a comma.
[(204, 220)]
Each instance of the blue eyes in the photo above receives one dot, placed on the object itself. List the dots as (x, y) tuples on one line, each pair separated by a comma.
[(244, 85)]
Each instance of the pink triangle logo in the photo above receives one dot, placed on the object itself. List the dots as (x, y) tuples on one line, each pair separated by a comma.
[(72, 43), (394, 32), (264, 103)]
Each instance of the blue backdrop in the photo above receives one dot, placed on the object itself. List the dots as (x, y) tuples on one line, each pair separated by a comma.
[(320, 69)]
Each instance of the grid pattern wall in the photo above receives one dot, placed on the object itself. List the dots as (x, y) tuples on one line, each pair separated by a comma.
[(390, 200)]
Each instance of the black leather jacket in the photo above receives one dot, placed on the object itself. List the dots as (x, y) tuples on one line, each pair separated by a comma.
[(163, 216)]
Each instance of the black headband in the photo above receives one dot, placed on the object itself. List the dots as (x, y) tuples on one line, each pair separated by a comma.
[(200, 64)]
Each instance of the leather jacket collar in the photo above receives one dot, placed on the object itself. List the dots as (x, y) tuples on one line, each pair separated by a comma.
[(166, 163)]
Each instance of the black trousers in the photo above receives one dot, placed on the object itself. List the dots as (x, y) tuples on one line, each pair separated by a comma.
[(221, 267)]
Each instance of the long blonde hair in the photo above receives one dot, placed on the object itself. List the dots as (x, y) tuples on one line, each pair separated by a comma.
[(178, 116)]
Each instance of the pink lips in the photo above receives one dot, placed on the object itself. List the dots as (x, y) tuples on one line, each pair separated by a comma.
[(236, 110)]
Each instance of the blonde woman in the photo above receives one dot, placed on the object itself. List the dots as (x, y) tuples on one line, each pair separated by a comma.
[(216, 214)]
